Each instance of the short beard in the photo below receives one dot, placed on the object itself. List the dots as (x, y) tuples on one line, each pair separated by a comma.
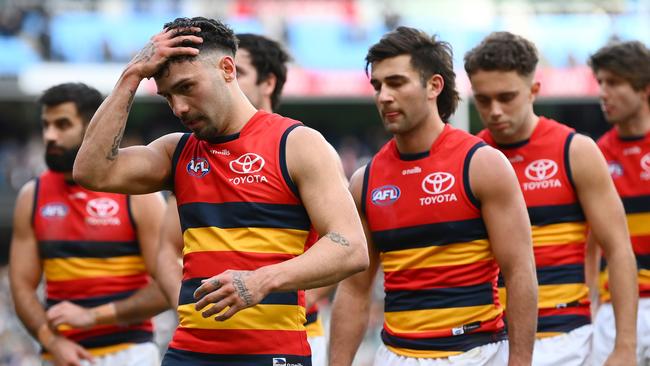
[(62, 163)]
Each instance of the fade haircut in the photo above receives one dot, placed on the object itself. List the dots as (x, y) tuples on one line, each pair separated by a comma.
[(629, 60), (216, 36), (87, 99), (429, 57), (503, 51), (269, 58)]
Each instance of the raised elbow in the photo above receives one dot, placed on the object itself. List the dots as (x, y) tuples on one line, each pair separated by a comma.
[(84, 177)]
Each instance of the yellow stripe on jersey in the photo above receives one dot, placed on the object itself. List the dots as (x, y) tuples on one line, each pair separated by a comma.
[(422, 353), (259, 317), (644, 277), (639, 223), (552, 295), (315, 329), (99, 351), (62, 269), (247, 239), (568, 232), (434, 256), (542, 335), (414, 321)]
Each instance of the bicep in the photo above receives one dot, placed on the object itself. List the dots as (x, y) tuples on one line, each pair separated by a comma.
[(25, 264), (503, 208), (148, 213)]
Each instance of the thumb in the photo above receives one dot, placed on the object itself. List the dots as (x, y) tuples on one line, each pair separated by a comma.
[(84, 354)]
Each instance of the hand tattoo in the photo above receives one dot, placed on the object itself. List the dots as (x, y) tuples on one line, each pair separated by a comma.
[(145, 54), (215, 283), (240, 286), (338, 238)]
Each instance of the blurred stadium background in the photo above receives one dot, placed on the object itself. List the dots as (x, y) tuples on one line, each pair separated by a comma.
[(43, 43)]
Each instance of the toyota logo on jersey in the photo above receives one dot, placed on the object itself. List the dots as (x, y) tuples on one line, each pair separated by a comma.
[(102, 208), (247, 164), (541, 169), (438, 182)]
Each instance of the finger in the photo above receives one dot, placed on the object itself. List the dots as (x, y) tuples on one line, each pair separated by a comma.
[(179, 51), (211, 298), (183, 39), (85, 355), (217, 308), (228, 314), (179, 30), (207, 286)]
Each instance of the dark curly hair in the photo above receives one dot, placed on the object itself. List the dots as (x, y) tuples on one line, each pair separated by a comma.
[(87, 99), (268, 58), (216, 36), (502, 51), (629, 60), (429, 57)]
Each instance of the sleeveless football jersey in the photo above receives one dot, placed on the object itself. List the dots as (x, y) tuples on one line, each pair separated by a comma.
[(90, 254), (239, 210), (629, 166), (558, 225), (439, 271)]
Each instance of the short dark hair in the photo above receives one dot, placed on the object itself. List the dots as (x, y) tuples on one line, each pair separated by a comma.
[(215, 34), (502, 51), (268, 57), (629, 60), (429, 56), (86, 98)]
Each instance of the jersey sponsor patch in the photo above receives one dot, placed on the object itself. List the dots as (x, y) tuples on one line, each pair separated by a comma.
[(198, 167), (385, 195), (54, 210), (541, 173)]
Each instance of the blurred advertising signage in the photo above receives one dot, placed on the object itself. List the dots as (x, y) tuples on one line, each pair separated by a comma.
[(555, 82)]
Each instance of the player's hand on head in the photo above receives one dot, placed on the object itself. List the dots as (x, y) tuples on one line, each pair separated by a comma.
[(162, 46), (68, 353), (70, 314), (228, 293)]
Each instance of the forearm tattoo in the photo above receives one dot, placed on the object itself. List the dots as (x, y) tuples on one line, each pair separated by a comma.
[(338, 238), (145, 54), (112, 155), (240, 286)]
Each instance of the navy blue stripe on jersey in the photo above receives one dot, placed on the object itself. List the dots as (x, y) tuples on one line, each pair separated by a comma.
[(546, 215), (312, 317), (176, 357), (87, 249), (439, 298), (567, 160), (459, 343), (561, 323), (125, 336), (177, 154), (643, 261), (90, 302), (430, 235), (283, 160), (37, 183), (243, 214), (188, 287), (466, 184), (364, 188), (637, 204), (559, 275)]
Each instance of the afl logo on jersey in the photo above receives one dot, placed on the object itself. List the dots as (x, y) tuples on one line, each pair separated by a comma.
[(615, 169), (54, 210), (247, 164), (438, 182), (645, 165), (198, 167), (385, 195)]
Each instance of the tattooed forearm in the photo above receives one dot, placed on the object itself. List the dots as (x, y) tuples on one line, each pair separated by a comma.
[(338, 238), (145, 54), (130, 102), (242, 291), (112, 155)]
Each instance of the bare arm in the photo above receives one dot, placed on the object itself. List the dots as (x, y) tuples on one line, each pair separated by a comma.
[(606, 216), (351, 307), (495, 184), (592, 272), (316, 295), (341, 251), (100, 164), (148, 301), (25, 273), (169, 271)]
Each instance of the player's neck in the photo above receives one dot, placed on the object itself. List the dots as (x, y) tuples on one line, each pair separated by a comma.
[(421, 138), (241, 112), (636, 126), (265, 105), (522, 134)]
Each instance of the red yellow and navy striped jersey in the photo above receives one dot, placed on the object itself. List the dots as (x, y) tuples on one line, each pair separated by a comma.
[(558, 225), (629, 165), (314, 323), (440, 275), (239, 210), (90, 255)]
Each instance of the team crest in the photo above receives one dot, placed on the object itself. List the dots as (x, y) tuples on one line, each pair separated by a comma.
[(198, 167)]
